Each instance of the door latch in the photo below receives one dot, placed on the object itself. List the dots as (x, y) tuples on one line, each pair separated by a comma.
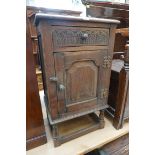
[(61, 87)]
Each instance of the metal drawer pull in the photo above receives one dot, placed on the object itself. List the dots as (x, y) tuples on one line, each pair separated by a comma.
[(84, 36)]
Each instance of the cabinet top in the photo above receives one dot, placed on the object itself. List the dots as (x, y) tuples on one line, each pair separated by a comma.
[(39, 16)]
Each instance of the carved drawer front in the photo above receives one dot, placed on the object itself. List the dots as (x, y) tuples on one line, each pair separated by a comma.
[(76, 36)]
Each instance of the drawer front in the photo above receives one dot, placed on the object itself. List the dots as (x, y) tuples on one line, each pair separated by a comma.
[(76, 36)]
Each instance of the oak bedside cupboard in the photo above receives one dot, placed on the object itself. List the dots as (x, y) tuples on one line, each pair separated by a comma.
[(76, 54)]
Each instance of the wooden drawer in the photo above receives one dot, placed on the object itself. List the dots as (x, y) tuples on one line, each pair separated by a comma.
[(77, 36)]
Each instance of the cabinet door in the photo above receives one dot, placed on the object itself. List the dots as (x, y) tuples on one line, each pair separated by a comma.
[(81, 79)]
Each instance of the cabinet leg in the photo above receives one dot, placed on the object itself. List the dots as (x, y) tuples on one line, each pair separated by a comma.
[(56, 142), (55, 133), (101, 118)]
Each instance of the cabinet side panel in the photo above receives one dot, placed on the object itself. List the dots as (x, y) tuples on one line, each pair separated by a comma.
[(48, 67)]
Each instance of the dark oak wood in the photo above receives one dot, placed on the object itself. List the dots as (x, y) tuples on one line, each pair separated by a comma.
[(77, 36), (35, 130), (119, 91), (76, 79)]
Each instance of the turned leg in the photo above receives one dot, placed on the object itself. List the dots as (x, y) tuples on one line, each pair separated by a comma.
[(101, 118), (55, 134), (55, 131)]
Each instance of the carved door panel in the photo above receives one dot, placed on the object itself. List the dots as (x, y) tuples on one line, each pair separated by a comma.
[(80, 79)]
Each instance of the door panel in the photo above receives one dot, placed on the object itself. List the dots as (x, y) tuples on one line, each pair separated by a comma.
[(82, 75), (81, 80)]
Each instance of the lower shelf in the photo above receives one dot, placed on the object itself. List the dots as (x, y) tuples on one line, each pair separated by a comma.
[(71, 129)]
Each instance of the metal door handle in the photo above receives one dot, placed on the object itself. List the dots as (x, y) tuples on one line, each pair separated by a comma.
[(61, 87)]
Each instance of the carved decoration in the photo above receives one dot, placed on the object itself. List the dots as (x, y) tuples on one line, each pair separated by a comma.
[(104, 93), (75, 37), (107, 61)]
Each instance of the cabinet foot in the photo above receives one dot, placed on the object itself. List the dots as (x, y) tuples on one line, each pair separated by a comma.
[(55, 132), (101, 118)]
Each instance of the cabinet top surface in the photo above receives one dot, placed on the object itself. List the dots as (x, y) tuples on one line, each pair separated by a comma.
[(39, 16)]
